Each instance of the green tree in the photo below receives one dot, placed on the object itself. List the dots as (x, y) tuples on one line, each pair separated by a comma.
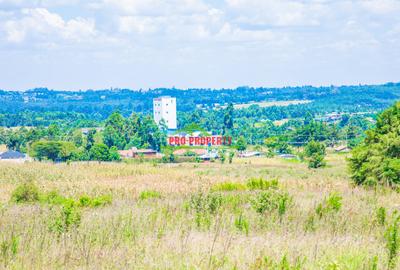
[(377, 158), (90, 140), (315, 154), (114, 132), (241, 144), (53, 150), (100, 152), (228, 117)]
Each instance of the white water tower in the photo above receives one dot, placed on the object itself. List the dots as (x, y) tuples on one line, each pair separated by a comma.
[(165, 108)]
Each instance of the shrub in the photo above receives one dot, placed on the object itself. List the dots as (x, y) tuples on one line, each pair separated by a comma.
[(53, 197), (26, 192), (101, 200), (330, 205), (381, 215), (228, 186), (261, 184), (149, 194), (204, 205), (87, 201), (271, 200), (208, 203), (315, 154), (69, 217), (392, 242), (316, 161), (242, 224)]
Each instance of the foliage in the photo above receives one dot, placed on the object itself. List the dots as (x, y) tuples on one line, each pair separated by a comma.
[(101, 152), (315, 154), (208, 203), (381, 215), (393, 242), (242, 224), (331, 204), (149, 194), (377, 159), (203, 206), (87, 201), (68, 217), (228, 186), (261, 184), (53, 150), (241, 144), (26, 192), (271, 200)]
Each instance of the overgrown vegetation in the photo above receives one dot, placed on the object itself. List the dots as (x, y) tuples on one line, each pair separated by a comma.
[(377, 159), (202, 216)]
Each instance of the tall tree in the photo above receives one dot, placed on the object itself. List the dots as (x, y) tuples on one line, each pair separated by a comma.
[(377, 159)]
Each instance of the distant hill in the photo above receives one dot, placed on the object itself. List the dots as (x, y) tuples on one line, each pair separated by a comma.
[(43, 99)]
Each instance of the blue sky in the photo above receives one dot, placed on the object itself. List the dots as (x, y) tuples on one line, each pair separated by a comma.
[(97, 44)]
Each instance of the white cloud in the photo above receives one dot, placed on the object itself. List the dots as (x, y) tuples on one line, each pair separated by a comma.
[(381, 6), (277, 13), (39, 23), (138, 24), (156, 7)]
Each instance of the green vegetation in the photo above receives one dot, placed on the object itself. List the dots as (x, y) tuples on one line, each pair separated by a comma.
[(315, 153), (261, 184), (26, 192), (149, 194), (377, 159), (271, 200), (219, 216)]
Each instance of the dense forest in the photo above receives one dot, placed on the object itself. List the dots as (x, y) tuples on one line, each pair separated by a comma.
[(42, 106)]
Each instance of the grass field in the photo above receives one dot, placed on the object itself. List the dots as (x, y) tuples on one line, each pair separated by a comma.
[(196, 216)]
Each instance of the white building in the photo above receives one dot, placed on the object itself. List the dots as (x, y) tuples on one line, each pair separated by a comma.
[(165, 108)]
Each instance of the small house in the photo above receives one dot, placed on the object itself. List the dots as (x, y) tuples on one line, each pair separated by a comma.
[(136, 153), (14, 156)]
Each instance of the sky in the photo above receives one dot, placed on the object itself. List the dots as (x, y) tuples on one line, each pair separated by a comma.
[(141, 44)]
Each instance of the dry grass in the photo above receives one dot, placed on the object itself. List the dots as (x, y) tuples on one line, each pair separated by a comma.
[(163, 234)]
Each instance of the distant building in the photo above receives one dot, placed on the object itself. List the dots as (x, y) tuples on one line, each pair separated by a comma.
[(14, 156), (165, 108), (136, 153)]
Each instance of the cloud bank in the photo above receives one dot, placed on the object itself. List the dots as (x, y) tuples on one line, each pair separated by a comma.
[(197, 43)]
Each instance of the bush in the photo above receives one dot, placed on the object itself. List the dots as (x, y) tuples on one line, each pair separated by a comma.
[(208, 203), (271, 200), (86, 201), (393, 242), (205, 205), (69, 217), (314, 152), (331, 204), (242, 224), (149, 194), (228, 186), (26, 192), (261, 184)]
